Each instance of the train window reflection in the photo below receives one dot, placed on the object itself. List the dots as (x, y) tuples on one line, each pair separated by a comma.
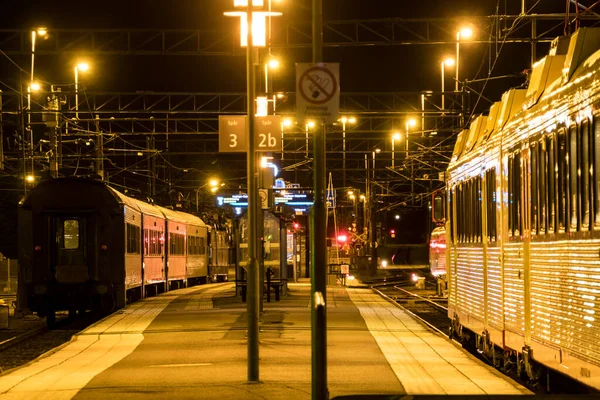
[(596, 172), (71, 234)]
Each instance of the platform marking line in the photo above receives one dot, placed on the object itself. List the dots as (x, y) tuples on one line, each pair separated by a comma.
[(424, 362), (63, 374)]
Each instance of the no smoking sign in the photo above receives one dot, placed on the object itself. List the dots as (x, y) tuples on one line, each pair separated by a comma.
[(318, 90)]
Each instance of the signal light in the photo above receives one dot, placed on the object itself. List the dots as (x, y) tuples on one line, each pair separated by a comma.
[(296, 225), (393, 233), (342, 238)]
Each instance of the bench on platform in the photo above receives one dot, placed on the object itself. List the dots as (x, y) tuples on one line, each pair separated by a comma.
[(275, 284)]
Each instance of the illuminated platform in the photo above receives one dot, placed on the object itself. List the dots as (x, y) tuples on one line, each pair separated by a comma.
[(191, 343)]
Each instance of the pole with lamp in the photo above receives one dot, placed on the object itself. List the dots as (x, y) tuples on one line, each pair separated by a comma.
[(448, 62), (307, 127), (464, 33), (373, 218), (83, 67), (253, 34), (396, 136), (285, 123), (345, 120), (33, 87)]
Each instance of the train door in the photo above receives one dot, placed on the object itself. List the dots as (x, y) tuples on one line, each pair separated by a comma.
[(70, 255)]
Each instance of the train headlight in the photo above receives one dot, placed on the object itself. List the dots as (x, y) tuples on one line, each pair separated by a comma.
[(101, 289), (40, 290), (414, 277)]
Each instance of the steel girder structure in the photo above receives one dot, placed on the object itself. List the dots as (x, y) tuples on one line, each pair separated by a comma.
[(185, 131), (536, 28)]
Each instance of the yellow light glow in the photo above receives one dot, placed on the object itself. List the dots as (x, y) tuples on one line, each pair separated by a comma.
[(344, 120), (287, 122), (213, 182), (362, 197), (83, 66), (244, 3), (34, 87), (465, 33), (352, 197), (280, 95), (273, 63), (259, 26), (411, 122), (351, 120), (214, 189), (448, 62), (350, 193), (396, 136), (310, 124), (262, 106), (41, 31), (377, 150), (30, 178)]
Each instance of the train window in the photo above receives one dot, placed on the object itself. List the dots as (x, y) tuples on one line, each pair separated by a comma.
[(584, 140), (450, 214), (514, 195), (133, 239), (534, 189), (202, 246), (70, 234), (562, 183), (479, 209), (574, 177), (490, 184), (552, 180), (542, 178)]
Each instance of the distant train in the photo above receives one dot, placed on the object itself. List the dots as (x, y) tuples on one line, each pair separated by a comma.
[(522, 226), (84, 245)]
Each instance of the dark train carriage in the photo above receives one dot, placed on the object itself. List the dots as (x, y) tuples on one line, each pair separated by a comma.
[(72, 245), (197, 250)]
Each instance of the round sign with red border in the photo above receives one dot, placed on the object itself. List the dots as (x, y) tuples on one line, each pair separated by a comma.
[(317, 85)]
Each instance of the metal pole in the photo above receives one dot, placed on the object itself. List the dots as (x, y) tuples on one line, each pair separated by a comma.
[(457, 60), (253, 301), (76, 92), (319, 234), (100, 151), (344, 153), (393, 152), (443, 97)]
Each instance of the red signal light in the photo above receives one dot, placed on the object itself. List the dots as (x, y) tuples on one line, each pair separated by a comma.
[(342, 238), (296, 225)]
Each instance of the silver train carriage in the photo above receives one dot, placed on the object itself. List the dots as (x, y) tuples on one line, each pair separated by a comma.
[(523, 209), (84, 245)]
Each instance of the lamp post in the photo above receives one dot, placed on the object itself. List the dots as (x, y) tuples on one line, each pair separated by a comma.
[(309, 125), (285, 123), (252, 34), (396, 136), (214, 184), (409, 122), (345, 120), (83, 67), (448, 62), (464, 33)]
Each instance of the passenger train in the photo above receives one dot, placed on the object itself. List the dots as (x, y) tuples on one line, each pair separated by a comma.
[(522, 226), (84, 245)]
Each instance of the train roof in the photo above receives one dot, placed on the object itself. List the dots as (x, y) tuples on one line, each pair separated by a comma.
[(84, 192), (568, 58)]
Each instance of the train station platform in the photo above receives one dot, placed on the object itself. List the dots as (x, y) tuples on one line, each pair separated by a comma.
[(191, 343)]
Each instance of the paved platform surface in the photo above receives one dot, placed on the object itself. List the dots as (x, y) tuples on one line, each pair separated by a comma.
[(191, 343)]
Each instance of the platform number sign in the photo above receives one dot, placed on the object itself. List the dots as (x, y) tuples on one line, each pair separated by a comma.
[(232, 134), (267, 131)]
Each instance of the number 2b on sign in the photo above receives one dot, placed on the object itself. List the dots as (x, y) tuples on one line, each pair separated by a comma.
[(232, 133)]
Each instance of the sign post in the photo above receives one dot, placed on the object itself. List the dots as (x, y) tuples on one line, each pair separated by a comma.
[(318, 91)]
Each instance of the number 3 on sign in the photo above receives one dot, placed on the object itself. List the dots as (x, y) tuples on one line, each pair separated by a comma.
[(266, 140), (233, 140)]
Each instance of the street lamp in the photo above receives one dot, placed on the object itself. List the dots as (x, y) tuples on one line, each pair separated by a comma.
[(309, 125), (345, 120), (271, 64), (448, 62), (396, 136), (83, 67), (464, 33), (409, 123), (214, 185), (375, 151), (285, 123)]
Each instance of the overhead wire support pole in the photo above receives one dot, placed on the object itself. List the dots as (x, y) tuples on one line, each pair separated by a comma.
[(253, 278), (318, 234)]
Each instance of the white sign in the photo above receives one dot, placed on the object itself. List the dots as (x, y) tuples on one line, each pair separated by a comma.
[(345, 269), (318, 92), (264, 198)]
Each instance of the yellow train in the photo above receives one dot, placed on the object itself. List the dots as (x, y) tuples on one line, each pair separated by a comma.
[(523, 221)]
